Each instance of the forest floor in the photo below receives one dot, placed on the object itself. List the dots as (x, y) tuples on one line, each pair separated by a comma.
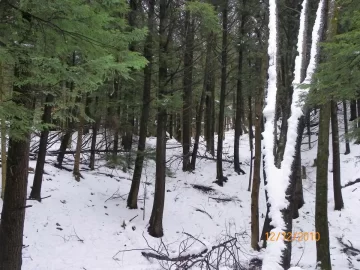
[(86, 225)]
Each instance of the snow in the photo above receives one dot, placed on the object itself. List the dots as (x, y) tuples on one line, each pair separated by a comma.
[(278, 179), (79, 209)]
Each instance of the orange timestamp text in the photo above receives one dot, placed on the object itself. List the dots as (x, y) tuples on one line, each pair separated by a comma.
[(292, 236)]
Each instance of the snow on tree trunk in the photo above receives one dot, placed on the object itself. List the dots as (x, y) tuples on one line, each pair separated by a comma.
[(278, 179)]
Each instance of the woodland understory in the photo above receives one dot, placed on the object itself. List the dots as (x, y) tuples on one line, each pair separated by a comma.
[(243, 115)]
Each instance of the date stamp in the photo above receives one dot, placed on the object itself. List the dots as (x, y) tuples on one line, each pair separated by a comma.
[(293, 236)]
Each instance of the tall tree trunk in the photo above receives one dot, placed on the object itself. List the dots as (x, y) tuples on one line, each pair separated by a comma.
[(338, 199), (358, 112), (155, 228), (63, 146), (296, 175), (353, 112), (199, 117), (210, 95), (321, 209), (219, 170), (6, 79), (13, 211), (187, 85), (256, 179), (93, 145), (251, 136), (76, 170), (322, 159), (239, 98), (347, 143), (135, 184), (3, 157), (39, 170)]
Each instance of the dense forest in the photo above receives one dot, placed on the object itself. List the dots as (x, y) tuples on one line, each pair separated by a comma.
[(230, 127)]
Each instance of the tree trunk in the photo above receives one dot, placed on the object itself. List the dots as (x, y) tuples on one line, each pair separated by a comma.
[(93, 145), (210, 95), (187, 93), (3, 157), (338, 199), (39, 170), (251, 139), (358, 112), (239, 101), (63, 146), (296, 174), (219, 170), (13, 211), (135, 184), (321, 209), (155, 228), (6, 81), (199, 117), (76, 171), (347, 143), (256, 179), (353, 112)]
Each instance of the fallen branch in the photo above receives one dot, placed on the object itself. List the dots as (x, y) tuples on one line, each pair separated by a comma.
[(204, 189), (351, 183), (222, 199), (176, 259), (204, 212)]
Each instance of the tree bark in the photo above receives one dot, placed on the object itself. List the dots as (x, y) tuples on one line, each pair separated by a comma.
[(135, 184), (39, 170), (347, 143), (338, 199), (256, 179), (187, 93), (210, 95), (155, 228), (198, 129), (93, 145), (63, 146), (13, 211), (251, 136), (353, 112), (6, 81), (239, 99), (321, 209), (76, 171), (219, 170)]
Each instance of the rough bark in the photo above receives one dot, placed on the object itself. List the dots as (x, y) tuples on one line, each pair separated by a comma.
[(14, 205), (239, 99), (63, 146), (210, 96), (251, 136), (321, 208), (296, 174), (155, 228), (256, 179), (76, 170), (6, 74), (93, 145), (353, 112), (187, 92), (135, 184), (39, 170), (338, 199), (199, 116), (346, 127), (219, 170)]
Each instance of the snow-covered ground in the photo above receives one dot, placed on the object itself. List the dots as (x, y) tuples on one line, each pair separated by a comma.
[(86, 225)]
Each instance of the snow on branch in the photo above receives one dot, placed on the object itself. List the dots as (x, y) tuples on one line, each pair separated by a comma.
[(278, 179)]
